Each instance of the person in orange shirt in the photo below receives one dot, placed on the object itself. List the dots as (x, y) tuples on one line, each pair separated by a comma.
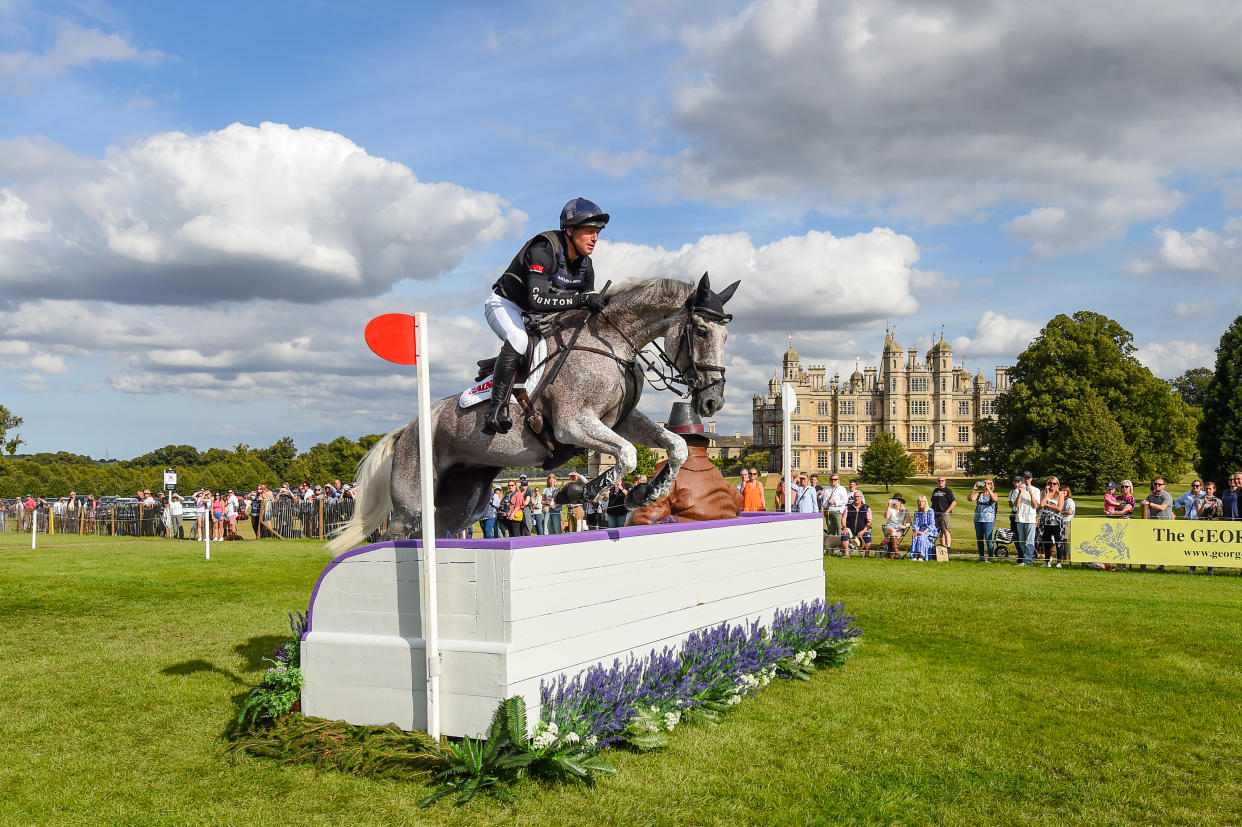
[(752, 491)]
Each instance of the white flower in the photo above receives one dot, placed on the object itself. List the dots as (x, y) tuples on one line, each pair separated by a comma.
[(655, 709), (552, 727), (671, 720), (571, 737), (591, 741), (544, 739)]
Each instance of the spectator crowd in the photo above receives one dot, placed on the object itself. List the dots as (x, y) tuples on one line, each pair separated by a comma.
[(1039, 518)]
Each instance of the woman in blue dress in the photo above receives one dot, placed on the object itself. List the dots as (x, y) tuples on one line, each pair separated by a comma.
[(923, 531)]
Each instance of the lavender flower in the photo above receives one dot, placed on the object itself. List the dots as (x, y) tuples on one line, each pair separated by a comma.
[(712, 668)]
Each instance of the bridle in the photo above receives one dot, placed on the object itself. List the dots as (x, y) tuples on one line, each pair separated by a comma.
[(697, 378)]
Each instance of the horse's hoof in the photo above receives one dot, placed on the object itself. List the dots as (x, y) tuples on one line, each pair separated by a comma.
[(637, 498), (570, 493)]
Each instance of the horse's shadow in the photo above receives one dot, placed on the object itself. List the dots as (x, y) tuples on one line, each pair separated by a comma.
[(252, 651)]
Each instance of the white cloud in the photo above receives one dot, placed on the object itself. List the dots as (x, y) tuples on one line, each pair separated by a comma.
[(996, 335), (945, 108), (74, 47), (1172, 359), (809, 282), (241, 213), (47, 363), (1200, 250), (15, 221)]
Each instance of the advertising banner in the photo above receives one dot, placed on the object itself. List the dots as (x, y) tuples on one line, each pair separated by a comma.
[(1156, 542)]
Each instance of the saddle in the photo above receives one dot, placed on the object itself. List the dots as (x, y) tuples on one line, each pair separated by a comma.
[(526, 386)]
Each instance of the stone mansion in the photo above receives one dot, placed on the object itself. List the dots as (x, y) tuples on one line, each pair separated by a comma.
[(930, 405)]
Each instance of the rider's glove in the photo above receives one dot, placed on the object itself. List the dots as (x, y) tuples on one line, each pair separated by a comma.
[(593, 302)]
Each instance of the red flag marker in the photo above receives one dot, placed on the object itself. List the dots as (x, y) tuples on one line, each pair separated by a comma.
[(391, 337)]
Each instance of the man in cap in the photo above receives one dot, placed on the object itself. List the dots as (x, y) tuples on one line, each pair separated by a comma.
[(699, 491), (551, 273), (1026, 508)]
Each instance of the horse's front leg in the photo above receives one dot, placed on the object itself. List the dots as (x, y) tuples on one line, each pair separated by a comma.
[(641, 429), (594, 435)]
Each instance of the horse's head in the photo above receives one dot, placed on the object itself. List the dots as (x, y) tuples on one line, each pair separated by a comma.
[(696, 339)]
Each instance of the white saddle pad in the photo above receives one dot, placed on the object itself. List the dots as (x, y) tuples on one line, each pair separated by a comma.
[(482, 391)]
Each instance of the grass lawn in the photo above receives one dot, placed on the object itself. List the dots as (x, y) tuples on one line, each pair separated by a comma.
[(982, 694)]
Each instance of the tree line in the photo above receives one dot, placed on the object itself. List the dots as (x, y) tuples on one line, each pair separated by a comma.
[(241, 468)]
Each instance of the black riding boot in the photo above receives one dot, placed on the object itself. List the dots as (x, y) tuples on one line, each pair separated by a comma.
[(498, 421)]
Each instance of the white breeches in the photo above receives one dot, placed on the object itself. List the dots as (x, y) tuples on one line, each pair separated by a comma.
[(505, 320)]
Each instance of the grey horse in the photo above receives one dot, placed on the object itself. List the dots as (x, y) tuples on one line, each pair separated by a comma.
[(591, 405)]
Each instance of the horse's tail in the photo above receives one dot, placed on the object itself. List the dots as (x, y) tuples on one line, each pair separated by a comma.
[(373, 499)]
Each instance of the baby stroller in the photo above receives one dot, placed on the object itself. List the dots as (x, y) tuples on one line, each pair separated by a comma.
[(1004, 540)]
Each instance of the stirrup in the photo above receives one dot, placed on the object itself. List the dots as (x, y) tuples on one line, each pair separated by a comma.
[(497, 420)]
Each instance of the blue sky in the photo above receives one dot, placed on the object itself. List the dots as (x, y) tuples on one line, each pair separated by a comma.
[(200, 207)]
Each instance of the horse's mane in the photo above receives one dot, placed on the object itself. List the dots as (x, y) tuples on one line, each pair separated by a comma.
[(656, 289)]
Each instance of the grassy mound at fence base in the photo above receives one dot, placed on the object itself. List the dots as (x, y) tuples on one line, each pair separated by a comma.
[(985, 694)]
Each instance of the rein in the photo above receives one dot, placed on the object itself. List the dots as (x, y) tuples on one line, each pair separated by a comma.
[(667, 376)]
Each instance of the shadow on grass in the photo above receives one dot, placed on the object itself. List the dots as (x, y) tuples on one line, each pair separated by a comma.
[(256, 649), (194, 667)]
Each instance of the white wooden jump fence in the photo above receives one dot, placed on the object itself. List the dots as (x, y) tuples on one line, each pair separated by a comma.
[(519, 611)]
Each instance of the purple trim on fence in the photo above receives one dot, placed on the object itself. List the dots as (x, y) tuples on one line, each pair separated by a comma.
[(507, 544)]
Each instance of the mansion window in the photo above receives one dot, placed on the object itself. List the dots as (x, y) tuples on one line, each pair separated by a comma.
[(892, 384), (943, 385), (845, 433), (846, 459), (944, 407), (917, 407), (963, 433), (821, 433), (943, 436), (918, 434), (795, 433), (821, 409), (845, 408), (821, 460), (869, 408), (961, 461), (771, 433), (920, 384), (987, 408), (795, 459), (869, 434), (963, 409)]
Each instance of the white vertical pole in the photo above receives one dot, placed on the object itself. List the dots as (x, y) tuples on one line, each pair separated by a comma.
[(208, 524), (430, 610), (788, 401), (34, 525)]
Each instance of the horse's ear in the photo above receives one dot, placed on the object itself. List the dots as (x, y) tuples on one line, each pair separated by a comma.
[(727, 293), (704, 291)]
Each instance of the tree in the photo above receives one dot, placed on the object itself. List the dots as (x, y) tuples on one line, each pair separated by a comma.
[(7, 423), (279, 456), (1072, 356), (1220, 431), (646, 460), (1192, 386), (885, 461), (1095, 449)]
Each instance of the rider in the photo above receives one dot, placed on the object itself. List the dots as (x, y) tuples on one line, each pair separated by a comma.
[(552, 272)]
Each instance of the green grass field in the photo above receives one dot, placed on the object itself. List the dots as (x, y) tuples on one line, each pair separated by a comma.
[(982, 694)]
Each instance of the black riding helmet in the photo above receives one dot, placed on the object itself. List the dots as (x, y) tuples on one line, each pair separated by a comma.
[(579, 212)]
